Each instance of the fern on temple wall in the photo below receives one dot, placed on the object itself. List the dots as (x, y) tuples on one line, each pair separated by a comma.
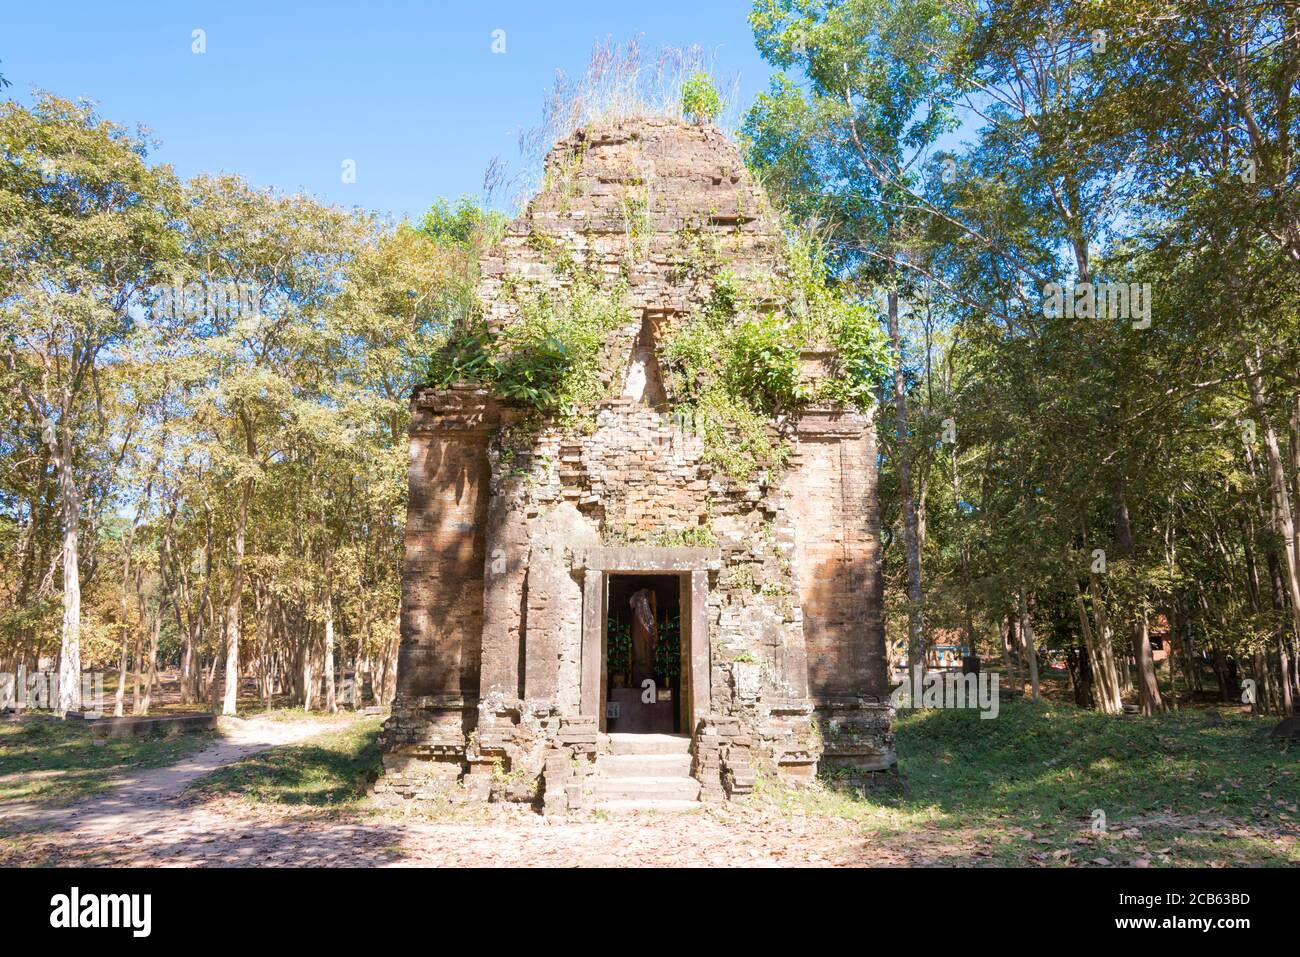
[(735, 367)]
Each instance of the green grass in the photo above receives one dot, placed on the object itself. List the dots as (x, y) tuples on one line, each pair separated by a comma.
[(252, 708), (329, 770), (1029, 782), (56, 761)]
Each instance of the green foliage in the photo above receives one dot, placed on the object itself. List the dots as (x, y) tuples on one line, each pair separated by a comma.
[(567, 335), (1123, 165), (763, 363), (828, 316), (861, 360), (464, 224), (700, 100), (693, 536), (538, 373), (733, 366), (668, 651), (530, 376), (667, 655), (618, 648), (729, 419), (549, 359)]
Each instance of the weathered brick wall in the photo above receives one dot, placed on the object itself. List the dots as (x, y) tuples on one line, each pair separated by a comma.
[(832, 493), (442, 580), (495, 593), (553, 636), (638, 478), (619, 199), (442, 589), (639, 473)]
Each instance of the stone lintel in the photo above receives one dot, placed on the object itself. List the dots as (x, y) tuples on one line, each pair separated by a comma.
[(462, 407), (831, 422), (442, 702), (826, 702), (650, 558)]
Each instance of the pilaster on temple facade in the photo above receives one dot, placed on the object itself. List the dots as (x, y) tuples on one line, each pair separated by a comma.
[(439, 658), (832, 483)]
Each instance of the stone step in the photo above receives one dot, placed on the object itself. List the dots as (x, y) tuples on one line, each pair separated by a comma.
[(648, 807), (646, 789), (625, 743), (142, 726), (644, 766)]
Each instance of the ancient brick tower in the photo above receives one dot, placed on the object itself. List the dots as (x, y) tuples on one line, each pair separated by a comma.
[(529, 559)]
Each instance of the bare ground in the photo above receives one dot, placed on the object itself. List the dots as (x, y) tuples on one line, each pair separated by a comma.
[(231, 834), (149, 819)]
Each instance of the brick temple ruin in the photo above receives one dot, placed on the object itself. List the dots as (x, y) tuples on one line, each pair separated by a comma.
[(531, 573)]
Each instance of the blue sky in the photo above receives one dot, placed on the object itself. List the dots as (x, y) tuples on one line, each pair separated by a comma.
[(286, 91)]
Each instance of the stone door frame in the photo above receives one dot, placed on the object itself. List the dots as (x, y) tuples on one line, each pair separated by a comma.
[(692, 565)]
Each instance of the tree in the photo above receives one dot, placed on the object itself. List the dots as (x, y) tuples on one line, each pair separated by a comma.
[(847, 149), (266, 354), (85, 223), (700, 100)]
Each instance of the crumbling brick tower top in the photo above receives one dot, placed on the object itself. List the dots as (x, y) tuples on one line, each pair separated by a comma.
[(522, 527), (635, 200)]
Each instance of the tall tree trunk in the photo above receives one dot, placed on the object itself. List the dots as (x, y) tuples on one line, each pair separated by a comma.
[(310, 680), (1139, 633), (119, 696), (1148, 690), (911, 532), (331, 704), (187, 662), (153, 661), (1004, 632), (177, 578), (137, 670), (70, 640), (1027, 636), (234, 600), (1105, 645), (213, 684), (1283, 514), (1105, 692), (124, 609)]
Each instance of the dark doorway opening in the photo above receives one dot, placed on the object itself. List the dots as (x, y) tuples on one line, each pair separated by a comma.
[(643, 654)]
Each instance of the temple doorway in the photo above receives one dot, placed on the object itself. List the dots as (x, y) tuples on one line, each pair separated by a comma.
[(643, 665)]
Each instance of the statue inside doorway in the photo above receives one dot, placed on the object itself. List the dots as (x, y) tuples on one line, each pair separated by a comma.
[(645, 635)]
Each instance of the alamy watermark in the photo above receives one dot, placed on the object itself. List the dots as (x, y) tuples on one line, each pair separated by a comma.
[(1099, 300), (206, 299), (937, 689), (75, 909), (40, 690)]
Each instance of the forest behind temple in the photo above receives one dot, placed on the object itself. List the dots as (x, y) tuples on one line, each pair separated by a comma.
[(1076, 224)]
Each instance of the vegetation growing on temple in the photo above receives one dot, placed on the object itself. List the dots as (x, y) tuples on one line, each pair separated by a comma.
[(549, 360), (737, 362)]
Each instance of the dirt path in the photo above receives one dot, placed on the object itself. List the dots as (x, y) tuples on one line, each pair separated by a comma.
[(135, 801), (146, 819), (219, 834)]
